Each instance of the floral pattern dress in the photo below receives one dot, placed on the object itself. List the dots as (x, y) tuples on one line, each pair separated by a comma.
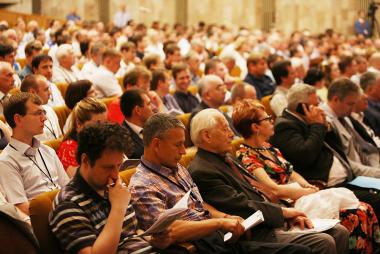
[(361, 222), (67, 153)]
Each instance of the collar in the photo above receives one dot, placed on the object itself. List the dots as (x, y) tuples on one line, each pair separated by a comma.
[(204, 152), (158, 168), (295, 115), (134, 127), (24, 148), (84, 187)]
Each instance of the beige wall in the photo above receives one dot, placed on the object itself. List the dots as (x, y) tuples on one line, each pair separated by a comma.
[(316, 15)]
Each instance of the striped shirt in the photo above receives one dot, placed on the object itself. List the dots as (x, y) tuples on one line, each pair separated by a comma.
[(155, 189), (79, 215)]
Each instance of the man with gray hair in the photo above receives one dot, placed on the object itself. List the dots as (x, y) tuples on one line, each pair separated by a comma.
[(212, 90), (65, 71), (6, 82), (225, 185), (370, 84), (314, 147), (91, 67), (160, 182)]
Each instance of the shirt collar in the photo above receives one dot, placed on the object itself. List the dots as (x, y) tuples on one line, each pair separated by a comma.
[(25, 148), (157, 168), (134, 127)]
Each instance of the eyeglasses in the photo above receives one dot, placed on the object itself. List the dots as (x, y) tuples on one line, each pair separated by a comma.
[(38, 113), (269, 118)]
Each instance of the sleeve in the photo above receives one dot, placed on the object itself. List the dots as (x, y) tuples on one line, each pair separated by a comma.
[(66, 154), (12, 183), (72, 228), (225, 197)]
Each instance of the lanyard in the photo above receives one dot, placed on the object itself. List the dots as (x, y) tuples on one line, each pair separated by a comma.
[(51, 128), (171, 181), (48, 175)]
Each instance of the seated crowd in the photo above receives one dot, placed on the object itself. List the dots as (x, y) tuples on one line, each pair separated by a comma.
[(268, 123)]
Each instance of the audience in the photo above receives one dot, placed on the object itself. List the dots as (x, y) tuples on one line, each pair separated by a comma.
[(28, 168), (85, 112)]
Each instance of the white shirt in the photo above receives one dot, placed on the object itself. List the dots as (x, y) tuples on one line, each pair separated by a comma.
[(105, 83), (20, 177), (62, 75), (121, 18), (279, 100), (56, 98), (124, 68), (89, 69), (52, 130), (136, 129), (67, 125)]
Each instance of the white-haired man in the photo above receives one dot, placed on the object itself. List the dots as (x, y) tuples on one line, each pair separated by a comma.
[(224, 186), (65, 71), (6, 82)]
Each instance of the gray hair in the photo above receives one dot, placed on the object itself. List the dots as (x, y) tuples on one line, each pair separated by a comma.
[(205, 82), (205, 119), (64, 50), (5, 65), (341, 88), (157, 126), (368, 79), (299, 93)]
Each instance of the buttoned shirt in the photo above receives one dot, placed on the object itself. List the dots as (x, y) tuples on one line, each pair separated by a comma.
[(106, 83), (29, 171), (52, 130), (156, 188), (63, 75)]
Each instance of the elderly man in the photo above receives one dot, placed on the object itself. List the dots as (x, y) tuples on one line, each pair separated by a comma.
[(28, 168), (223, 186), (241, 91), (6, 82), (104, 79), (91, 67), (65, 71), (160, 182), (314, 148)]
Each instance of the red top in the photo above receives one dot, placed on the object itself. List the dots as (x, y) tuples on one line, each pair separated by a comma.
[(114, 112), (67, 153)]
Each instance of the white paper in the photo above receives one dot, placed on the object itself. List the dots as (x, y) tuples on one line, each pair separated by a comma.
[(248, 223), (320, 225), (168, 216)]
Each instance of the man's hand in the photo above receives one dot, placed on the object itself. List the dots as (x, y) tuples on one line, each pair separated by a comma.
[(296, 217), (314, 114), (163, 239), (118, 194), (232, 225)]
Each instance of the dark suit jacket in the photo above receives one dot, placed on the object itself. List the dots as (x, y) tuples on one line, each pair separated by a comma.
[(359, 128), (303, 146), (137, 143), (221, 188), (264, 85)]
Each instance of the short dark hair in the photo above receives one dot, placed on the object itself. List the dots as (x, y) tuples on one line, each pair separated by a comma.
[(280, 70), (344, 62), (127, 46), (158, 75), (76, 91), (29, 82), (150, 60), (94, 139), (132, 76), (130, 99), (38, 59), (171, 48), (342, 88), (31, 46), (211, 64), (177, 68), (313, 76), (16, 104), (367, 79), (5, 49)]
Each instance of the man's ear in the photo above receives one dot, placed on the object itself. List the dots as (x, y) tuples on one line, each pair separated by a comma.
[(84, 160), (17, 119), (205, 136), (32, 90)]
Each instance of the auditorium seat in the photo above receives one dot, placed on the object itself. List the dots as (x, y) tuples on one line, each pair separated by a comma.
[(121, 79), (185, 119), (235, 72), (224, 108), (14, 91), (62, 113), (62, 87), (266, 103), (21, 62), (193, 89), (54, 143), (108, 100), (127, 174), (189, 156)]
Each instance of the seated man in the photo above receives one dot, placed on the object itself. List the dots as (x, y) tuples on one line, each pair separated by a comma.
[(136, 107), (184, 98), (32, 49), (91, 67), (370, 83), (92, 213), (128, 53), (6, 83), (225, 187), (38, 85), (160, 182), (314, 148), (241, 91), (65, 71), (104, 79), (28, 168), (43, 65)]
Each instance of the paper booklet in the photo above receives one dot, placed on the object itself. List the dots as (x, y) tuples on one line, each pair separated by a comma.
[(251, 221), (320, 225), (366, 182), (168, 216)]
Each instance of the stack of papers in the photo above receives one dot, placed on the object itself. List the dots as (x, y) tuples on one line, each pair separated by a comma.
[(169, 216), (250, 222), (320, 225), (366, 182)]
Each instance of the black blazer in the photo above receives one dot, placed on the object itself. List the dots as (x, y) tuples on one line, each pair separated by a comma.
[(221, 188), (137, 143), (303, 145)]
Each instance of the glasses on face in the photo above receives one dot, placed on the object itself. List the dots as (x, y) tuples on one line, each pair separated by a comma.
[(269, 118), (40, 112)]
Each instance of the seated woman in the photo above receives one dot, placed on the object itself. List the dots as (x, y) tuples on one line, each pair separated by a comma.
[(270, 168), (86, 111), (76, 91)]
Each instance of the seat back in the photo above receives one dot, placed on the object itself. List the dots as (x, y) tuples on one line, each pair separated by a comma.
[(193, 89), (185, 119), (14, 91), (39, 210), (108, 100), (266, 103), (62, 113), (55, 143), (189, 156), (127, 174), (62, 87)]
